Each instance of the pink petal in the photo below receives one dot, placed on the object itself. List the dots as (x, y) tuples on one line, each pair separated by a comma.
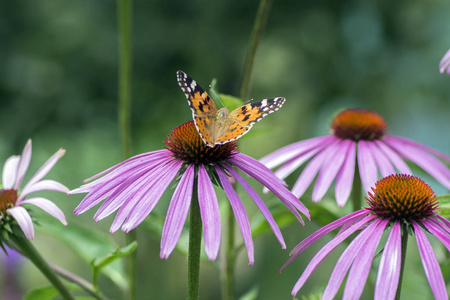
[(430, 264), (209, 209), (423, 147), (359, 271), (24, 220), (286, 153), (23, 164), (44, 185), (239, 213), (260, 203), (438, 231), (10, 172), (47, 206), (329, 170), (383, 163), (444, 64), (177, 212), (344, 179), (398, 162), (312, 168), (389, 268), (367, 166)]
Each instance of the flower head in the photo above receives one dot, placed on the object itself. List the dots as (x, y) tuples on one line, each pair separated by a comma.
[(401, 204), (444, 65), (135, 186), (12, 199), (357, 135)]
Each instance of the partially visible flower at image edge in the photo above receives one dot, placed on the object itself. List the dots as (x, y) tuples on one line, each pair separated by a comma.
[(444, 65), (358, 135), (13, 199), (135, 186), (401, 203)]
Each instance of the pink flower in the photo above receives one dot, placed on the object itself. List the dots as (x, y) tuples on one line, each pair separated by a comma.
[(358, 136), (444, 65), (401, 204), (135, 186), (12, 199)]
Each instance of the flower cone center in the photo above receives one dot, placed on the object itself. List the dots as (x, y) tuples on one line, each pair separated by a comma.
[(358, 124), (402, 197), (186, 144), (7, 199)]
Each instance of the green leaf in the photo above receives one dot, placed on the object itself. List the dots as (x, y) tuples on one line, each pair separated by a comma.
[(88, 243), (230, 101), (283, 217), (50, 293), (251, 294), (444, 206)]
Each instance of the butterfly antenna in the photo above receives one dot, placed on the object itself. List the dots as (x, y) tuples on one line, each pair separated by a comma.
[(213, 93)]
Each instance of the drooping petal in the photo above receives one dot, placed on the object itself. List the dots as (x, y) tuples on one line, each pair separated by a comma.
[(239, 213), (46, 167), (423, 147), (439, 232), (444, 64), (268, 179), (260, 203), (24, 220), (144, 206), (359, 271), (446, 223), (329, 170), (424, 160), (430, 264), (23, 164), (47, 206), (43, 185), (398, 162), (345, 260), (324, 251), (10, 172), (312, 169), (367, 166), (177, 212), (286, 153), (209, 209), (389, 268), (344, 179), (383, 163)]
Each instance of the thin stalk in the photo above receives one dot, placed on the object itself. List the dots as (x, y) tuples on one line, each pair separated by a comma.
[(124, 16), (227, 269), (356, 190), (27, 248), (402, 263), (195, 243), (255, 38)]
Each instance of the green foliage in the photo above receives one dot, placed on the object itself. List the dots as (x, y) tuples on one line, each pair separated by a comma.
[(444, 206), (50, 293)]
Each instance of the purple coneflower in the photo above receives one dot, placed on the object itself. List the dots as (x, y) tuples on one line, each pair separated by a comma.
[(361, 135), (136, 185), (444, 65), (12, 199), (404, 204)]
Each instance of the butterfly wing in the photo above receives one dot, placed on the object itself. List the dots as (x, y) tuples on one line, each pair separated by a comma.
[(243, 118), (204, 111)]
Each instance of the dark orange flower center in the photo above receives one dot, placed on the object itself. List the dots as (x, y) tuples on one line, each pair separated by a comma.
[(402, 197), (358, 124), (8, 199), (186, 144)]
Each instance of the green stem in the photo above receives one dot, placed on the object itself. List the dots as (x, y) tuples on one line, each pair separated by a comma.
[(26, 247), (255, 37), (227, 269), (195, 243), (402, 263), (124, 15), (356, 190)]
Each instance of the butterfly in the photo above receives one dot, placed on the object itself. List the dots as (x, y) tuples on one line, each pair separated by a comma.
[(220, 126)]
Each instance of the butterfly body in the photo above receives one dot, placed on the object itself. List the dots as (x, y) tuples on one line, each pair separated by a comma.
[(219, 126)]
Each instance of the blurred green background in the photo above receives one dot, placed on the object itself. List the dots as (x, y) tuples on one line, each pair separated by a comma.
[(58, 86)]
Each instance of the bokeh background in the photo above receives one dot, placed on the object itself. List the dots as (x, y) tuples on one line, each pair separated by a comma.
[(58, 86)]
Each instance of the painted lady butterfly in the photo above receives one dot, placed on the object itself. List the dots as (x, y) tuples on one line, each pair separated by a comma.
[(219, 126)]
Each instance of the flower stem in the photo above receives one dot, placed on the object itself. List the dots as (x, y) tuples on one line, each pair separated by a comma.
[(227, 268), (195, 243), (26, 248), (356, 190), (402, 263), (124, 15), (255, 37)]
